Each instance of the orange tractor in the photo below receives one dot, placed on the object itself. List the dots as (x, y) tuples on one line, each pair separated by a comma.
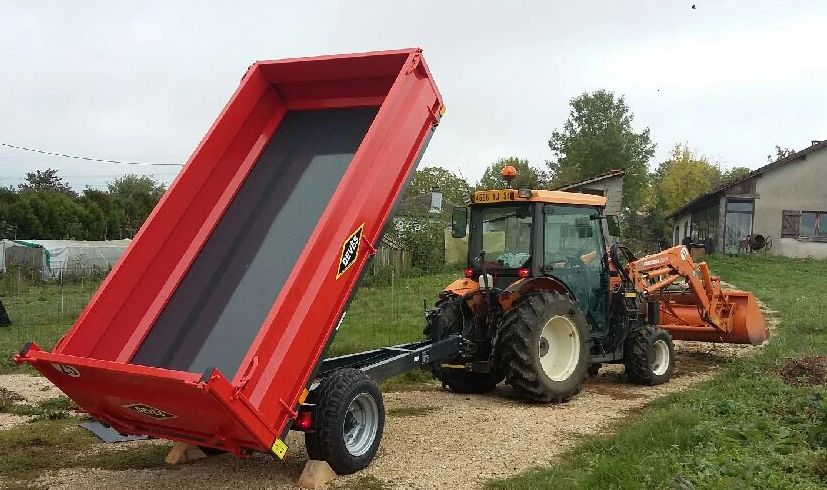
[(546, 300)]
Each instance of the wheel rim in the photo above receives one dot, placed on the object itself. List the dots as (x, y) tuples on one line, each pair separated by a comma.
[(361, 424), (559, 348), (660, 357)]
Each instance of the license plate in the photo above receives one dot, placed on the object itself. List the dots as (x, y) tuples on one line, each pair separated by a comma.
[(495, 196)]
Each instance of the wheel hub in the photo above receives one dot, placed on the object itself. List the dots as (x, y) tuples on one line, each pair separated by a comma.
[(543, 346), (660, 357), (559, 348), (360, 424)]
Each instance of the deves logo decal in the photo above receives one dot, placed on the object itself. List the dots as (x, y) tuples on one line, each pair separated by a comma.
[(350, 250), (155, 413)]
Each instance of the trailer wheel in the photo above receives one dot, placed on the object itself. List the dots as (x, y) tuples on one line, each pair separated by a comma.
[(349, 420), (544, 347), (447, 319), (649, 356)]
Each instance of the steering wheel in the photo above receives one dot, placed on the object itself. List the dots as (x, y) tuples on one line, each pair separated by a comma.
[(615, 253), (574, 261)]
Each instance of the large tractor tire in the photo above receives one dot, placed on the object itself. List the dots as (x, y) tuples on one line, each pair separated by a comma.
[(544, 347), (445, 321), (649, 356), (348, 420)]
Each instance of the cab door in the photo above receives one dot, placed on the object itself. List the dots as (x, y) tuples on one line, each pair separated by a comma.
[(574, 252)]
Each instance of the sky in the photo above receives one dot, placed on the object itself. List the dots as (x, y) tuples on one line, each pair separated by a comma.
[(143, 81)]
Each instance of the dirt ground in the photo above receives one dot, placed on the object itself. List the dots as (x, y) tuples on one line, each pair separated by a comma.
[(453, 441), (459, 441)]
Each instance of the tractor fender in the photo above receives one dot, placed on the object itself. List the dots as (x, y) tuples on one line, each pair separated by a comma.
[(512, 293), (460, 287)]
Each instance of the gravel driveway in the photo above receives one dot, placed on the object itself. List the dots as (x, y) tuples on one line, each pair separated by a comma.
[(461, 442)]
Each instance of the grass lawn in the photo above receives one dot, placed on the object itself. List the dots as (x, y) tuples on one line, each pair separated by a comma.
[(378, 316), (746, 428), (385, 315), (39, 311)]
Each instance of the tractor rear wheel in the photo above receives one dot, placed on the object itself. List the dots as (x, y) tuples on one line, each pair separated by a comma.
[(349, 419), (544, 347), (447, 320), (649, 356)]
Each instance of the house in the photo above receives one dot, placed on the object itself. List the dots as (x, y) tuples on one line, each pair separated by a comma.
[(608, 184), (785, 201)]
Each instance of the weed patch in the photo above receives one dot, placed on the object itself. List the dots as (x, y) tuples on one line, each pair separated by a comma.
[(27, 451), (805, 371)]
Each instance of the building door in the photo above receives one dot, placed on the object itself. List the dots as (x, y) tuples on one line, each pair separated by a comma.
[(738, 223)]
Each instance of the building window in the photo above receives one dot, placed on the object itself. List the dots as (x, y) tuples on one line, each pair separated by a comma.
[(804, 225), (738, 224), (704, 228)]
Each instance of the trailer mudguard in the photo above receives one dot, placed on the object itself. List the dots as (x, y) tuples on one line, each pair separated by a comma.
[(210, 326)]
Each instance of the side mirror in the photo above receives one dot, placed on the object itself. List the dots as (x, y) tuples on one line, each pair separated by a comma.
[(613, 224), (459, 222)]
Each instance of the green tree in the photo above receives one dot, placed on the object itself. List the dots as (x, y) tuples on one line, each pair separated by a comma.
[(45, 180), (106, 218), (47, 216), (527, 176), (734, 173), (136, 196), (598, 137), (681, 178), (779, 153), (454, 188)]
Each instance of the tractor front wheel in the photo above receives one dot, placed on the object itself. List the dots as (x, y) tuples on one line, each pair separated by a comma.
[(544, 347), (649, 356)]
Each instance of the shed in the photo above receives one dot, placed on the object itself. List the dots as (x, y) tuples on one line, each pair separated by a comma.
[(608, 184), (785, 200)]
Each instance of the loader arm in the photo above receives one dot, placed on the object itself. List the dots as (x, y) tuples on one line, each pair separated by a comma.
[(701, 310)]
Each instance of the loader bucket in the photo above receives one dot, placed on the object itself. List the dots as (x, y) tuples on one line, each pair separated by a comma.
[(682, 319), (748, 325)]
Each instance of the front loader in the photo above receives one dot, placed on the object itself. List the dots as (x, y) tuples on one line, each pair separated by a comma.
[(545, 300)]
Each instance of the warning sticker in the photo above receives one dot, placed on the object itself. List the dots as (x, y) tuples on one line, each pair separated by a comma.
[(350, 250), (155, 413), (279, 448)]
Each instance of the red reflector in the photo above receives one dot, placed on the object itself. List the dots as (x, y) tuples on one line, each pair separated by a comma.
[(523, 273), (469, 272), (304, 420)]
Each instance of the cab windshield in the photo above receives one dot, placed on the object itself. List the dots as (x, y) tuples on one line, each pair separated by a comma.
[(506, 236)]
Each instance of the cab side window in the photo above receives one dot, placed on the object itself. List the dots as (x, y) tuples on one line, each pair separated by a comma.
[(571, 237)]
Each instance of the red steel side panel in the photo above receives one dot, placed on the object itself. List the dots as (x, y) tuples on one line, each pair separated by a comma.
[(304, 316), (157, 402), (255, 408)]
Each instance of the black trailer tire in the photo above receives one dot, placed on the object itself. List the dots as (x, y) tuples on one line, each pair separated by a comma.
[(348, 421), (649, 356), (542, 324), (447, 320)]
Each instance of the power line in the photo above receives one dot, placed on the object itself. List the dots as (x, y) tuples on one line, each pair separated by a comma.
[(89, 159)]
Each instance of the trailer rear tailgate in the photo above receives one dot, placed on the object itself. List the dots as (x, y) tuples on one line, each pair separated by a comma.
[(158, 402)]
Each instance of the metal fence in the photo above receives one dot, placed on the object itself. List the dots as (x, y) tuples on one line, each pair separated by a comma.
[(387, 309)]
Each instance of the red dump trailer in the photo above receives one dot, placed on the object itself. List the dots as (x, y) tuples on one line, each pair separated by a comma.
[(212, 328)]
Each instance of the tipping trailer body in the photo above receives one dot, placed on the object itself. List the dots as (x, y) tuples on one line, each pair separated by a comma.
[(210, 327)]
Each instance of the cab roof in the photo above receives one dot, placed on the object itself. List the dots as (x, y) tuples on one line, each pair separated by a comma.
[(550, 197)]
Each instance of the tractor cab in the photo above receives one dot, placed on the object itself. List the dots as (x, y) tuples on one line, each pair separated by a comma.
[(515, 236)]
